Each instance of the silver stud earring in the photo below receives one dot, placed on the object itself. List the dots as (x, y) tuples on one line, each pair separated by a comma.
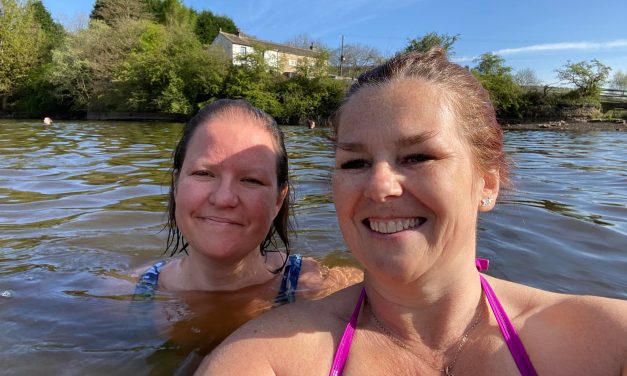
[(486, 201)]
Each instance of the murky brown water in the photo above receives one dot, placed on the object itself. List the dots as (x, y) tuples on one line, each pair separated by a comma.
[(81, 206)]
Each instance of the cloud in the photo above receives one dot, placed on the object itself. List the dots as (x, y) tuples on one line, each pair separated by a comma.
[(582, 46), (563, 46)]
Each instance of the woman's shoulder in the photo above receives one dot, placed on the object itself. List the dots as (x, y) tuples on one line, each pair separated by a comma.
[(290, 335), (583, 331)]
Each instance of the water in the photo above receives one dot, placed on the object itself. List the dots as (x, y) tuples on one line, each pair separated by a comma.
[(81, 206)]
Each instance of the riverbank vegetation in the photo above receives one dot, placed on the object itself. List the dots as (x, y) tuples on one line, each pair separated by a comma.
[(146, 57)]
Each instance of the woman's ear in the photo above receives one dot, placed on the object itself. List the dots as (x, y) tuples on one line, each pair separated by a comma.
[(490, 191), (280, 198)]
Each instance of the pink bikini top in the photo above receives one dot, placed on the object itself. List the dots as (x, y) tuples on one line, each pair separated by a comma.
[(510, 336)]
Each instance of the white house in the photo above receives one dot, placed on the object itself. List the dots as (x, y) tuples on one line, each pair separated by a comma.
[(284, 58)]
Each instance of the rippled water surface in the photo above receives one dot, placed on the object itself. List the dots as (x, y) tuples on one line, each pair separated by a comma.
[(81, 205)]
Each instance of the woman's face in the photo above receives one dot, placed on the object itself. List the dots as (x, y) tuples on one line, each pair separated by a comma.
[(405, 188), (226, 192)]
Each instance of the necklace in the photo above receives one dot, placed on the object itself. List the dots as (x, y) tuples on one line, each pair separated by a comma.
[(448, 369)]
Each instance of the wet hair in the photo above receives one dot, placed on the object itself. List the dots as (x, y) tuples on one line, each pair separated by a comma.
[(280, 225), (469, 101)]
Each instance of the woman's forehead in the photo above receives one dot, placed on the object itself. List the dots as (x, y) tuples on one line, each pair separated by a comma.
[(397, 104)]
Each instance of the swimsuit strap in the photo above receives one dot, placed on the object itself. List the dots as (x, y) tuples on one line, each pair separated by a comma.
[(511, 337), (339, 361), (148, 282), (287, 291)]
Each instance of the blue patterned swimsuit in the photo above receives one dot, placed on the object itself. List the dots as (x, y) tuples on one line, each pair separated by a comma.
[(148, 282)]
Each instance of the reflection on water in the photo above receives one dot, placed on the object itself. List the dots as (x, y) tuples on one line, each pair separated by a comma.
[(82, 203)]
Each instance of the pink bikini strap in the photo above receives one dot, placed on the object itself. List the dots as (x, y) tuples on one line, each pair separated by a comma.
[(345, 344), (511, 337)]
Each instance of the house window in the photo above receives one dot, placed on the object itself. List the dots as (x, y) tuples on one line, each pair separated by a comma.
[(292, 62), (242, 50)]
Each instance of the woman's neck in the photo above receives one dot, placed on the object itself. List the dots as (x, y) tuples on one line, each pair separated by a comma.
[(433, 311), (197, 272)]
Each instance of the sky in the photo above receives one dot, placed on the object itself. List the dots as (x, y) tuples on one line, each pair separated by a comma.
[(542, 35)]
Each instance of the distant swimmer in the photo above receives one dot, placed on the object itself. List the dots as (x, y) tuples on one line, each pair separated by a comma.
[(47, 121)]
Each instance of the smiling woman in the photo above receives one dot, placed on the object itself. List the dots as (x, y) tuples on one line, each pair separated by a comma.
[(229, 200), (419, 155)]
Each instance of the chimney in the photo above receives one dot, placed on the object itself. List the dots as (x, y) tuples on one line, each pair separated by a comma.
[(311, 47), (238, 32)]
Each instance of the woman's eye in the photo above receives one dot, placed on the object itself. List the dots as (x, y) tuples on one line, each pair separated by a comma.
[(354, 164), (417, 158), (203, 173), (252, 181)]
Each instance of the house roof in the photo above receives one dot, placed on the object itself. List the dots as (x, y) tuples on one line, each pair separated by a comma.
[(246, 40)]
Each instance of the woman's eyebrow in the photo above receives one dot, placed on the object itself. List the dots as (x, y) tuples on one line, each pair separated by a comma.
[(350, 146), (416, 139)]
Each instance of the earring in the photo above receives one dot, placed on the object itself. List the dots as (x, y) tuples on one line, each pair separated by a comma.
[(486, 201)]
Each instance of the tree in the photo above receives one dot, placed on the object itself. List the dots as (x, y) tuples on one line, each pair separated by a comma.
[(112, 11), (587, 76), (497, 79), (430, 40), (527, 77), (357, 58), (208, 25), (619, 81), (21, 39), (491, 64)]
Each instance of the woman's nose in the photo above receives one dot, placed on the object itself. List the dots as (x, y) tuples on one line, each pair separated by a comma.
[(383, 183), (223, 194)]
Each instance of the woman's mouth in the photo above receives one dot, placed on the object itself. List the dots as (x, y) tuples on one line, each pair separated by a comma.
[(390, 226)]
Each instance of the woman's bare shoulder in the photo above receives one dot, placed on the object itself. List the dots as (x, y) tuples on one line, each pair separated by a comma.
[(583, 331), (283, 340)]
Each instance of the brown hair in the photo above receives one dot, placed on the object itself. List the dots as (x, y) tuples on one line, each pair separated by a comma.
[(468, 99), (280, 225)]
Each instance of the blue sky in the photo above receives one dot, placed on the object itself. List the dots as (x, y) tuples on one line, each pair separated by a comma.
[(538, 34)]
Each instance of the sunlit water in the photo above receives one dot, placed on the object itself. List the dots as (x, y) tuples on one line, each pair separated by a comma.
[(81, 205)]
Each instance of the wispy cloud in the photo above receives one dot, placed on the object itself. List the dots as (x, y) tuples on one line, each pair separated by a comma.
[(581, 46), (563, 46)]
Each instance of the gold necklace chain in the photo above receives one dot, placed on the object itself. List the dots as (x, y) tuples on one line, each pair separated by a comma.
[(448, 369)]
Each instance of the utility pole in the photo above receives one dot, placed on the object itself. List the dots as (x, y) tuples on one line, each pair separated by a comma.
[(342, 55)]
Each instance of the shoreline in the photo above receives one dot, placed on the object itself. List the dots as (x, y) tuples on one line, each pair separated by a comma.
[(562, 125)]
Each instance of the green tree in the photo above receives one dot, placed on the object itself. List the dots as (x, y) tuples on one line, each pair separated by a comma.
[(497, 79), (432, 39), (53, 31), (21, 39), (208, 25), (587, 76), (112, 11), (169, 71)]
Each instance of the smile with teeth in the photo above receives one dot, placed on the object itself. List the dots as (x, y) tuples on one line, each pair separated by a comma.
[(394, 225)]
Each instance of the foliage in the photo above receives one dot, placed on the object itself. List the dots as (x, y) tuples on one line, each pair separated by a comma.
[(587, 76), (318, 67), (21, 41), (497, 79), (112, 11), (305, 98), (619, 80), (431, 40), (168, 71), (208, 25)]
